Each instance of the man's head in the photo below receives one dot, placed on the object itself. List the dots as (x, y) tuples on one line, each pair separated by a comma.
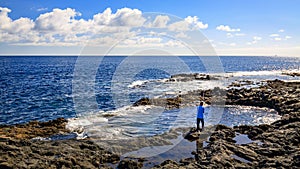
[(201, 103)]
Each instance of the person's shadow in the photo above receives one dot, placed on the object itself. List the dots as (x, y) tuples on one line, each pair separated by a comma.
[(199, 146)]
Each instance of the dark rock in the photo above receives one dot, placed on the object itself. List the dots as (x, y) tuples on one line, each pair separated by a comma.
[(129, 164)]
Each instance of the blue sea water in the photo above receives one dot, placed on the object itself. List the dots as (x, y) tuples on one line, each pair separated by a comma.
[(40, 87)]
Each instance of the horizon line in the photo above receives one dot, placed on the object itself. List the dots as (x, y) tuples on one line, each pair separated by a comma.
[(140, 55)]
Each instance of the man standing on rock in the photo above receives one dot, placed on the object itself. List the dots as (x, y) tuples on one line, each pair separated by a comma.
[(200, 117)]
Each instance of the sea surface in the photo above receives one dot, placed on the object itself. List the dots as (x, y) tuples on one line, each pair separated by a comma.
[(42, 87)]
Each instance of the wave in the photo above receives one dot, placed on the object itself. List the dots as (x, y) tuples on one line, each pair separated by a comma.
[(138, 83), (113, 124)]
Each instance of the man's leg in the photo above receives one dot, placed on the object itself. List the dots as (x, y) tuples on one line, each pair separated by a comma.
[(202, 122), (198, 121)]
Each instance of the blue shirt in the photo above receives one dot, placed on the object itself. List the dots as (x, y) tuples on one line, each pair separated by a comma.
[(200, 111)]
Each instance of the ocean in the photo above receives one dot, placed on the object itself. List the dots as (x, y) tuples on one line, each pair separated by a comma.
[(42, 88)]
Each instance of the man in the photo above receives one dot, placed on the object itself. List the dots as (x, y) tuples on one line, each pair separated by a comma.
[(200, 112)]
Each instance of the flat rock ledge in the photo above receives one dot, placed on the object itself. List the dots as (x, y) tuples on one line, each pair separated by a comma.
[(276, 94)]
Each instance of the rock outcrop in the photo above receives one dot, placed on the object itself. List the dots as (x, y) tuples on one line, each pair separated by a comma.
[(266, 146)]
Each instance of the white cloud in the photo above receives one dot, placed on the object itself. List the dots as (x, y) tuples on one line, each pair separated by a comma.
[(57, 20), (255, 39), (288, 37), (20, 26), (179, 26), (160, 21), (60, 26), (123, 17), (229, 35), (197, 24), (189, 23), (5, 20), (42, 9), (281, 30), (64, 27), (277, 39), (182, 35), (274, 35), (227, 28), (232, 44)]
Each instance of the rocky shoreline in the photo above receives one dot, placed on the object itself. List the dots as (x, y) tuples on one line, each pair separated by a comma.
[(270, 146)]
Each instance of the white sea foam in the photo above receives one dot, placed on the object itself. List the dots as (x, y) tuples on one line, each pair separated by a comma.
[(113, 124), (255, 73), (142, 121), (137, 83)]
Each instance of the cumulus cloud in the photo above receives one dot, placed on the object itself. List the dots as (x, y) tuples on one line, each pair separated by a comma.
[(14, 30), (65, 27), (281, 30), (57, 20), (194, 21), (227, 28), (5, 20), (189, 23), (61, 26), (179, 26), (160, 21), (123, 17)]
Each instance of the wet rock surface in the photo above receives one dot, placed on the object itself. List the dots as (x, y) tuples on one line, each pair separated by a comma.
[(34, 129), (189, 77), (270, 146), (292, 73), (279, 95)]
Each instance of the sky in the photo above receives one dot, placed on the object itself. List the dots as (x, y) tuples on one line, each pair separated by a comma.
[(127, 27)]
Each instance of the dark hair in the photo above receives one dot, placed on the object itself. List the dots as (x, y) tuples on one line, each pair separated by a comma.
[(201, 103)]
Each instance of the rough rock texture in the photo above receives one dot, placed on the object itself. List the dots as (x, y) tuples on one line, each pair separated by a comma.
[(18, 149), (272, 146), (279, 95), (216, 96), (129, 164), (34, 129), (189, 77), (23, 153)]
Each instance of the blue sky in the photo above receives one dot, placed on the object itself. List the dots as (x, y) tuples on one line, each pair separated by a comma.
[(233, 27)]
